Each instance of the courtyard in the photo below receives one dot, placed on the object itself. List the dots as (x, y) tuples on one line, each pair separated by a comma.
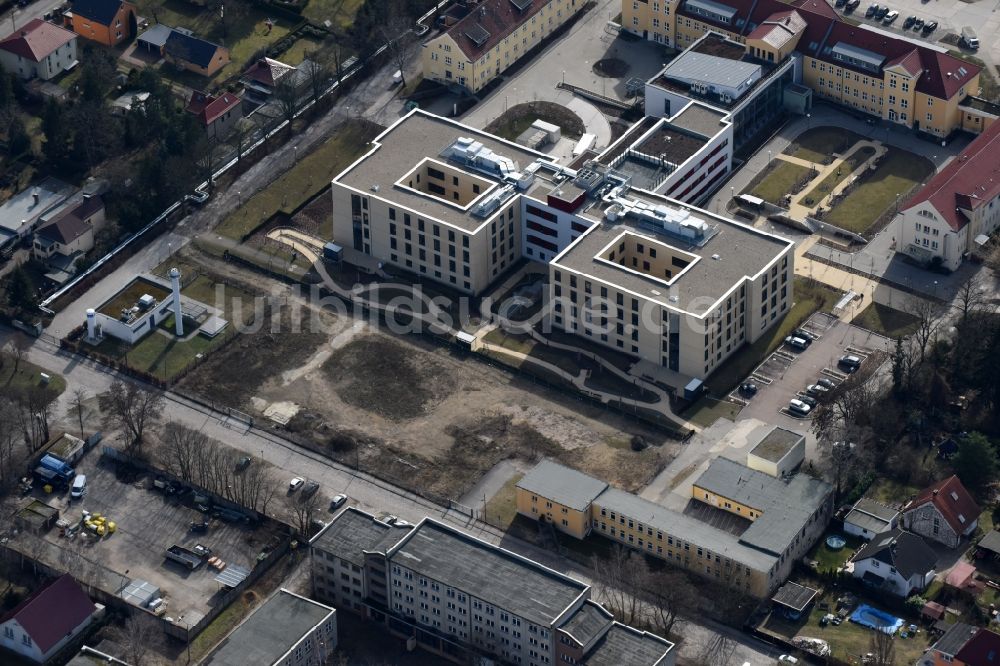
[(840, 178)]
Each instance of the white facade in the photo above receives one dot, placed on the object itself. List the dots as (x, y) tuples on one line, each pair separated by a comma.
[(133, 331), (55, 63), (548, 231), (696, 178), (923, 233), (894, 580)]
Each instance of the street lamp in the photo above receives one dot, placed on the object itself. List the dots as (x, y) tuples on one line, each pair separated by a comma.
[(808, 121)]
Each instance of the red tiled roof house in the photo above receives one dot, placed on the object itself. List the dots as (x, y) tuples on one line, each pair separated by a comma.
[(218, 115), (38, 50), (954, 213), (38, 627), (944, 512)]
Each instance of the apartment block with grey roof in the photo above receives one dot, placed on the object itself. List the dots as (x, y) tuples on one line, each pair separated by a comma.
[(458, 596)]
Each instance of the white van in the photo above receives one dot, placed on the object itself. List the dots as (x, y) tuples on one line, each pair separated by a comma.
[(79, 487)]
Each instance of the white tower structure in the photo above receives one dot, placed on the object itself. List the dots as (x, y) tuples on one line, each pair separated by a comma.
[(175, 283), (91, 324)]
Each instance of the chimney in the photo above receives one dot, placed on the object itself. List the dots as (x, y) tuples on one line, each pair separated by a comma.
[(935, 492), (175, 283), (35, 196)]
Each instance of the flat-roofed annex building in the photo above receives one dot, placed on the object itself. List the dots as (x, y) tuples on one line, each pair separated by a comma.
[(459, 596), (481, 40), (775, 519)]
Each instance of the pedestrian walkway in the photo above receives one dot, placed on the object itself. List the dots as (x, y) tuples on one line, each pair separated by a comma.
[(799, 210)]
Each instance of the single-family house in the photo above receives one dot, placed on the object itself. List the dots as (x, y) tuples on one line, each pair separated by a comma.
[(868, 518), (22, 213), (898, 562), (193, 54), (71, 230), (38, 627), (108, 22), (944, 512), (38, 49), (262, 76), (217, 114), (964, 645)]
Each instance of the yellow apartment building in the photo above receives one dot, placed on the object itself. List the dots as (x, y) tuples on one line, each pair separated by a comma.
[(480, 40), (895, 78), (781, 517)]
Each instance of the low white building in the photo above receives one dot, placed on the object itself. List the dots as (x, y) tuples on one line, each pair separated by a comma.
[(897, 562), (868, 518), (957, 210), (38, 49)]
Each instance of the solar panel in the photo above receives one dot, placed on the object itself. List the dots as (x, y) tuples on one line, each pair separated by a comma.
[(521, 4), (478, 34)]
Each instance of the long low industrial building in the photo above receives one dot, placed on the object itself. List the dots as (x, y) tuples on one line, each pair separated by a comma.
[(743, 527)]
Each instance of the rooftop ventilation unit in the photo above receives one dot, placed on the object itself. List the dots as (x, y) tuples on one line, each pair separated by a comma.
[(674, 222), (492, 201)]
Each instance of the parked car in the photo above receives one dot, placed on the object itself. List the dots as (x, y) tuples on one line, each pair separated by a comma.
[(804, 334), (310, 489), (918, 24), (243, 463), (890, 17), (929, 27), (852, 5), (295, 484), (798, 407), (910, 20), (882, 11), (871, 11), (840, 3), (796, 342), (849, 363), (198, 527), (788, 659), (809, 400), (337, 501), (826, 382), (748, 389), (816, 390)]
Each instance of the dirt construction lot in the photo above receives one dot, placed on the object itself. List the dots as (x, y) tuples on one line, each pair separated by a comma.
[(147, 524), (415, 411)]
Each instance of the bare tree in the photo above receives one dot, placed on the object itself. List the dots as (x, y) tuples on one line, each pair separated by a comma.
[(669, 592), (11, 454), (304, 509), (317, 73), (139, 636), (228, 14), (971, 297), (242, 136), (286, 94), (883, 649), (398, 35), (620, 582), (718, 651), (132, 409), (927, 314), (79, 396), (182, 447), (18, 347)]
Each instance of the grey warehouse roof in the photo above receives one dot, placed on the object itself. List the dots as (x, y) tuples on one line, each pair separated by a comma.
[(690, 529), (494, 575), (691, 66), (871, 515), (625, 645), (270, 631), (354, 532), (561, 484), (794, 596), (787, 504), (955, 638)]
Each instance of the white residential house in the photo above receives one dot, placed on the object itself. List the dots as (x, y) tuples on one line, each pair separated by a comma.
[(897, 562), (868, 518), (957, 210), (38, 49), (52, 616)]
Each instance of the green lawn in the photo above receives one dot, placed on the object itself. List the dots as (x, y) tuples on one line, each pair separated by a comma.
[(706, 410), (779, 179), (832, 559), (809, 297), (300, 50), (502, 508), (847, 641), (303, 181), (887, 321), (339, 12), (853, 161), (245, 34), (820, 143), (898, 173), (891, 492), (28, 375)]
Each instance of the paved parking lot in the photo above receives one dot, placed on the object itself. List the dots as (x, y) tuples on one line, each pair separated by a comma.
[(148, 523), (835, 338)]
